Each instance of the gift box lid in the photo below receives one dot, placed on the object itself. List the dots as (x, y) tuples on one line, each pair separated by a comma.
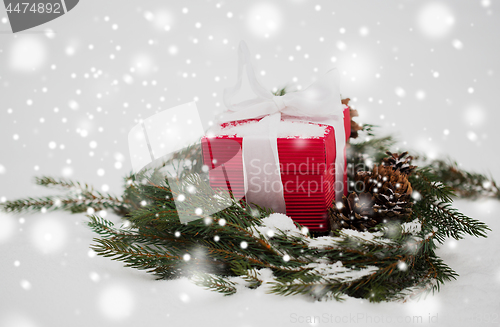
[(303, 148), (286, 129)]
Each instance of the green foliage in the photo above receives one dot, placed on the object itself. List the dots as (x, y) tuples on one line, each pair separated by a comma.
[(214, 283), (363, 154), (78, 199), (281, 92), (465, 184), (433, 206), (220, 251)]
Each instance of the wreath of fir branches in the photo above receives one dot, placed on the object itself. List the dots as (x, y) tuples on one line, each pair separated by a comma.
[(391, 261)]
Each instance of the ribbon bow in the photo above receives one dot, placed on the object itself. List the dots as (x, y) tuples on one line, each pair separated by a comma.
[(319, 103)]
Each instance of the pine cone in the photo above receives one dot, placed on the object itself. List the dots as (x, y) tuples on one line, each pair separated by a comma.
[(355, 127), (391, 191), (399, 162), (354, 213)]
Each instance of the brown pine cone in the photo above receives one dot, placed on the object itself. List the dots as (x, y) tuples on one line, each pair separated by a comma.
[(391, 191), (354, 213), (399, 162), (355, 127)]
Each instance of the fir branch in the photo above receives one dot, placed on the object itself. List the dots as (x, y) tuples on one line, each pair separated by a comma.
[(369, 129), (62, 184), (247, 273), (73, 204), (373, 148), (394, 264), (452, 223), (433, 206), (281, 92), (214, 283), (321, 290), (362, 155), (465, 184), (429, 186), (78, 199)]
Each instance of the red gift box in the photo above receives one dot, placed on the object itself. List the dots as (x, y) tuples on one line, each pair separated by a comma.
[(306, 165)]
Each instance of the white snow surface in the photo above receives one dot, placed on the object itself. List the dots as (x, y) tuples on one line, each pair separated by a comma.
[(337, 270), (278, 222), (89, 290), (412, 226), (286, 129)]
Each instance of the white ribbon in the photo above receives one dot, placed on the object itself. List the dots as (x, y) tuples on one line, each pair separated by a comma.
[(319, 103)]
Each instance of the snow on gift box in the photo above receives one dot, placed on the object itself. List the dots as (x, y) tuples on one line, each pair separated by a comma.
[(286, 153)]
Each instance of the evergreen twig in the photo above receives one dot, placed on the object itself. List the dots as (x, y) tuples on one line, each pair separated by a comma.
[(393, 264)]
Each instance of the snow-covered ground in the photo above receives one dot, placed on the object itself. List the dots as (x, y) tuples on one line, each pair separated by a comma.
[(49, 278)]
